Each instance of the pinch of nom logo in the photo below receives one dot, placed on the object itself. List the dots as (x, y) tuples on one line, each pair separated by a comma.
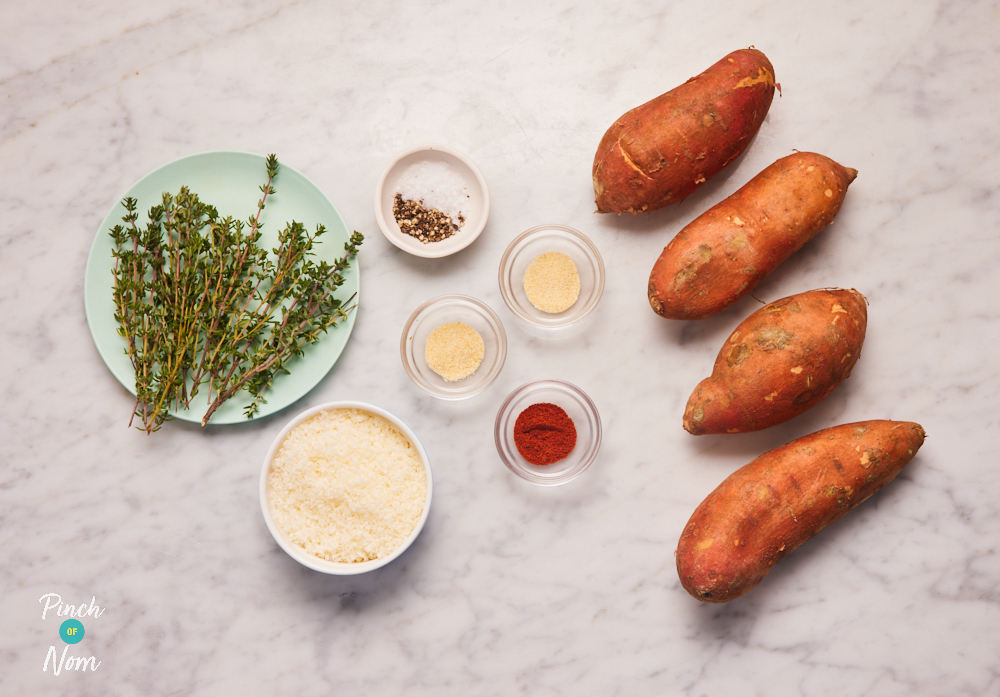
[(71, 632)]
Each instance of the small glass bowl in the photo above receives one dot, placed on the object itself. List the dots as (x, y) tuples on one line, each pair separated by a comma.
[(442, 310), (476, 213), (551, 238), (318, 563), (579, 408)]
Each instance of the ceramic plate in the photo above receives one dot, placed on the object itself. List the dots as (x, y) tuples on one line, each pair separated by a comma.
[(230, 181)]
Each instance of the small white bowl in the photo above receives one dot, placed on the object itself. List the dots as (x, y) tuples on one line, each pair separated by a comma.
[(442, 310), (551, 238), (475, 216), (317, 563), (577, 405)]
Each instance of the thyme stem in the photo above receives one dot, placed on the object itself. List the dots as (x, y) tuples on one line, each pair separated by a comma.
[(199, 301)]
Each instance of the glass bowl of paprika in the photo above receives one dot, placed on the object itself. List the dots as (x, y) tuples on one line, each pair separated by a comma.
[(548, 432)]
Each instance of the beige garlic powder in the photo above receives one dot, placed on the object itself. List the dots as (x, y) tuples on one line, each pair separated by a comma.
[(552, 282), (454, 351)]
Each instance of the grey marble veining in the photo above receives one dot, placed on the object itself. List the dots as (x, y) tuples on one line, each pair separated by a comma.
[(511, 589)]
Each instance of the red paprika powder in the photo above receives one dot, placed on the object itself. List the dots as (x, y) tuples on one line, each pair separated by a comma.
[(544, 433)]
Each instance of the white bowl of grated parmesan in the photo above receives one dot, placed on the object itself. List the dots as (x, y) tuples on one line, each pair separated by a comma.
[(431, 201), (345, 488)]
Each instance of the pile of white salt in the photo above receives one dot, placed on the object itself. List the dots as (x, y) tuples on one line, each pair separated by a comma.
[(436, 185)]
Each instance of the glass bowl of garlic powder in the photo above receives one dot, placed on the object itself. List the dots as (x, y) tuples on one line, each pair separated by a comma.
[(453, 347), (551, 276)]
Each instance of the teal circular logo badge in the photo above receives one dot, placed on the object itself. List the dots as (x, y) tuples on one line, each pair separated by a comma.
[(71, 631)]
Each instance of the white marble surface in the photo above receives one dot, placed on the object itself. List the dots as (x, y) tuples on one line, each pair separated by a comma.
[(511, 589)]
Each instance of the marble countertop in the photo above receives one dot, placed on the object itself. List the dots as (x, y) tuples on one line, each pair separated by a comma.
[(511, 588)]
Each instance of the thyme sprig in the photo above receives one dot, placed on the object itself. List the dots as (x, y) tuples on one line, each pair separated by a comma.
[(199, 302)]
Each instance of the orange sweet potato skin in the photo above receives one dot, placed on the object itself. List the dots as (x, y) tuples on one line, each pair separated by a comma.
[(660, 152), (725, 252), (769, 507), (780, 361)]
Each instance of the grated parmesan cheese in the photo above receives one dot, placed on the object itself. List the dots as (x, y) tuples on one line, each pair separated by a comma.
[(347, 486)]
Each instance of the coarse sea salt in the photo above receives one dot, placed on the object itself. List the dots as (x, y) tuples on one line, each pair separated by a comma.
[(436, 185)]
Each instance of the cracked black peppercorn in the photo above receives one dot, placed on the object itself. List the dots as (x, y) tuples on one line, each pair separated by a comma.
[(426, 224)]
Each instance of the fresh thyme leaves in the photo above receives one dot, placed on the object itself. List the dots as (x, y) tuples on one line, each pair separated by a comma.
[(199, 302)]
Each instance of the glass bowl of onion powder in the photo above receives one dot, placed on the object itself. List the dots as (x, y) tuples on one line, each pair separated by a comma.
[(453, 347), (551, 276)]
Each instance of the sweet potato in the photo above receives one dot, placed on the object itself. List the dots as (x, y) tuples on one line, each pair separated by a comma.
[(780, 361), (658, 153), (769, 507), (725, 252)]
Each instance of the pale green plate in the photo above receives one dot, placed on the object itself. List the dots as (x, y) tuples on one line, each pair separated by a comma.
[(230, 181)]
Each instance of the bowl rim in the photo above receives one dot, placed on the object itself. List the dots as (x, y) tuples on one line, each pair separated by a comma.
[(584, 466), (491, 317), (429, 251), (506, 291), (323, 565)]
